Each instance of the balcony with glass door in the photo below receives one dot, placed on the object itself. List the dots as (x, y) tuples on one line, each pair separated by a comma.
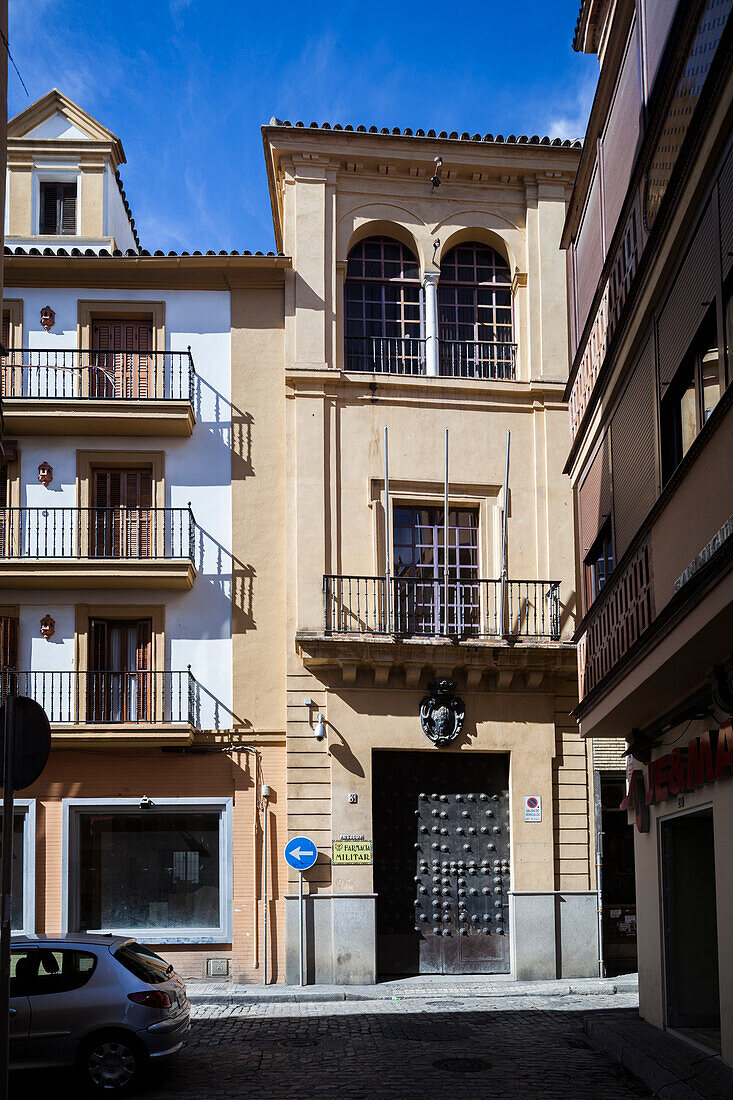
[(118, 386), (420, 600)]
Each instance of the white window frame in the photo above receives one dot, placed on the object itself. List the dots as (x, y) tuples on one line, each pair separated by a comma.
[(73, 808), (53, 175), (26, 808)]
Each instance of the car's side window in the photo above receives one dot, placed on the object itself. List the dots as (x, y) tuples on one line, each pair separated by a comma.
[(60, 970), (23, 964)]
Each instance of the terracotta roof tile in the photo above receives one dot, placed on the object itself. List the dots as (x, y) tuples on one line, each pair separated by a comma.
[(443, 135)]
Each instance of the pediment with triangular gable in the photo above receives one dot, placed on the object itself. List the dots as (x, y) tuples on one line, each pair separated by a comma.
[(55, 117)]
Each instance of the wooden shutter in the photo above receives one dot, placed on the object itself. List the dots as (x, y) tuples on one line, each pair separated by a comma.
[(67, 201), (99, 648), (633, 451), (49, 208), (725, 198), (594, 496), (688, 300), (8, 643), (144, 665), (124, 368)]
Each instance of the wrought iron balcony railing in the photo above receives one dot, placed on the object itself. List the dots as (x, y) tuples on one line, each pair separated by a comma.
[(477, 359), (358, 605), (65, 374), (79, 698), (385, 354), (71, 533)]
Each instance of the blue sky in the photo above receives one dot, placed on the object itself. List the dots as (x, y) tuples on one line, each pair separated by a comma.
[(186, 84)]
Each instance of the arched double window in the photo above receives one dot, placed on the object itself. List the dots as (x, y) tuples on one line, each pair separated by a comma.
[(475, 323), (383, 303)]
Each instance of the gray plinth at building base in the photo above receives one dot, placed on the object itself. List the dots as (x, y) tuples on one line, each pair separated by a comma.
[(554, 934), (339, 938)]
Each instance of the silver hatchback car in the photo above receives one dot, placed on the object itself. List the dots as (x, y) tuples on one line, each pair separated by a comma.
[(106, 1004)]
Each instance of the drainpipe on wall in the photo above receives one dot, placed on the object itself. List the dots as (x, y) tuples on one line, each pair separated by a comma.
[(430, 283)]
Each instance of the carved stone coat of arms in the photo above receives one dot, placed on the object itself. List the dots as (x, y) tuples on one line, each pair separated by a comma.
[(441, 713)]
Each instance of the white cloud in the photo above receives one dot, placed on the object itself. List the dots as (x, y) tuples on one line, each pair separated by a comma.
[(573, 119)]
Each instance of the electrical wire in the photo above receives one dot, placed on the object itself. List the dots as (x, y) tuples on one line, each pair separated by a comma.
[(12, 61)]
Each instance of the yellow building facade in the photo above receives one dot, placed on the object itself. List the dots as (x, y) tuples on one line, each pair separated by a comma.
[(337, 675)]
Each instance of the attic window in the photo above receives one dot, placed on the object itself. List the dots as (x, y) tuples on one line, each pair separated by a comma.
[(58, 209)]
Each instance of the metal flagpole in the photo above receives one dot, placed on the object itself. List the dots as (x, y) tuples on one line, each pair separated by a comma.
[(445, 541), (6, 891), (505, 510), (387, 562)]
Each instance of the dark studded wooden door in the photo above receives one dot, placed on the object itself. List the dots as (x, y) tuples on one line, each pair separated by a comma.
[(441, 862)]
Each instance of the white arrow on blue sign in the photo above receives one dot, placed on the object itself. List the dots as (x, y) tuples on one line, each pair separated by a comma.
[(301, 853)]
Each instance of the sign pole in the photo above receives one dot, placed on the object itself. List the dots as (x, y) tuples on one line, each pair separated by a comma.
[(6, 891), (445, 547), (300, 925)]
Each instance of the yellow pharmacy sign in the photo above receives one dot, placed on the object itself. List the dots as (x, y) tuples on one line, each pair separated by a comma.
[(352, 851)]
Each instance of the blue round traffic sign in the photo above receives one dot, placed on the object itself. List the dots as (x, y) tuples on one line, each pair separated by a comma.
[(301, 853)]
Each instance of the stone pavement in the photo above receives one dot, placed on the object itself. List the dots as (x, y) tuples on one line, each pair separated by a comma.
[(436, 1038), (493, 985)]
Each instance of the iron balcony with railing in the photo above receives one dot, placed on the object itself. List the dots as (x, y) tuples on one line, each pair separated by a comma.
[(125, 698), (86, 547), (72, 391), (418, 607), (456, 358)]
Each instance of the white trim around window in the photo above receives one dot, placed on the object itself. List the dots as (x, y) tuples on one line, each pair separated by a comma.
[(73, 808), (26, 808)]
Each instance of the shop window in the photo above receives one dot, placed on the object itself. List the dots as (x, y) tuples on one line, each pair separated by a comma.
[(599, 563), (690, 397), (161, 871)]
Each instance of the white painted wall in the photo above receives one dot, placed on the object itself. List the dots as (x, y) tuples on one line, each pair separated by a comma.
[(116, 221), (197, 623)]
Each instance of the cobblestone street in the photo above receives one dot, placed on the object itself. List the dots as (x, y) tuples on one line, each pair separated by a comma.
[(412, 1047)]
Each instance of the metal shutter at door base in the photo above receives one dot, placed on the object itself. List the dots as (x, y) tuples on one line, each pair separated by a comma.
[(594, 496), (688, 300), (633, 446), (725, 198)]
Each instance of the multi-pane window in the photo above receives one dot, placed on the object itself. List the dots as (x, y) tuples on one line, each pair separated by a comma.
[(690, 397), (149, 869), (598, 564), (119, 687), (382, 298), (475, 319), (418, 560), (57, 209)]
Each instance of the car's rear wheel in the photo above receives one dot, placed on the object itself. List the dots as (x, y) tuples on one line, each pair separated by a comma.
[(111, 1062)]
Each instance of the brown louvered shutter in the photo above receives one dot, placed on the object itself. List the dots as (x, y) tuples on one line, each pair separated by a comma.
[(99, 652), (67, 201), (594, 496), (621, 138), (633, 450), (8, 643), (688, 301), (725, 198), (49, 208), (124, 363), (144, 675)]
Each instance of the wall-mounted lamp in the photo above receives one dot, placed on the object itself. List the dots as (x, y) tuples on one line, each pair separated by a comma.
[(48, 627), (146, 803), (48, 318), (45, 474), (320, 731), (436, 175)]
